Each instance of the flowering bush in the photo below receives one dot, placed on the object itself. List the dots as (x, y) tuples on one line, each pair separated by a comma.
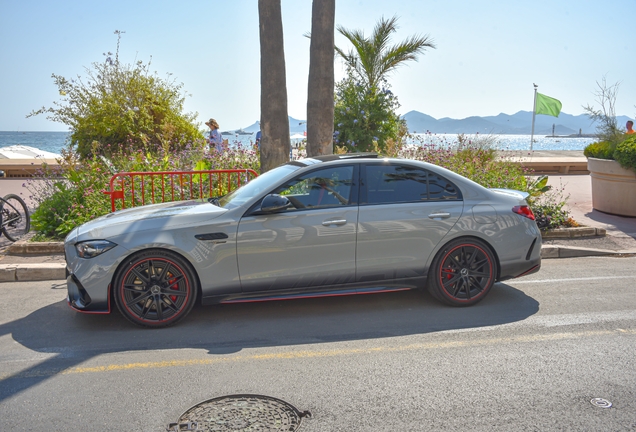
[(72, 194), (474, 159)]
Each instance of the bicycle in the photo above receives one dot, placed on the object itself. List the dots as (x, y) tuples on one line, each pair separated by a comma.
[(15, 221)]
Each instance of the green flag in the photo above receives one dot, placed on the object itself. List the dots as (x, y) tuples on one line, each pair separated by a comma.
[(547, 105)]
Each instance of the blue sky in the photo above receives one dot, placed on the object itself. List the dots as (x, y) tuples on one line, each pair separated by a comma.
[(489, 53)]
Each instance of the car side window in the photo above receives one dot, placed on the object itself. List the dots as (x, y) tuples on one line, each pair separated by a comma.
[(328, 187), (386, 184)]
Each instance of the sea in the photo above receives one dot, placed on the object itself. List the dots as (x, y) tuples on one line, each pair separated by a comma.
[(55, 141)]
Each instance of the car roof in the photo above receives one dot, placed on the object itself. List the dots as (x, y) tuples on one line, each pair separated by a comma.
[(333, 157)]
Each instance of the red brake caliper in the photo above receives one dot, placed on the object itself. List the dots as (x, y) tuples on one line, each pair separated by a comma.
[(173, 287), (448, 271)]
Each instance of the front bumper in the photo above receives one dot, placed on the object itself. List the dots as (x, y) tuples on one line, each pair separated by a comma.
[(79, 299)]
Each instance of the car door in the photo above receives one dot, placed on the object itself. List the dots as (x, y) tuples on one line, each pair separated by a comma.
[(405, 211), (308, 245)]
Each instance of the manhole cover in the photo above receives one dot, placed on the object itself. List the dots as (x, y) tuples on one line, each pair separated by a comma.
[(241, 413), (601, 403)]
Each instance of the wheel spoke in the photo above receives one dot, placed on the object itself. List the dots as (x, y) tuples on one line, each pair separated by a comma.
[(458, 287), (480, 274), (151, 269), (480, 263), (478, 286), (473, 257), (451, 281), (170, 293), (146, 308), (467, 286), (142, 297), (170, 305), (163, 273), (176, 280), (159, 308), (141, 276), (135, 288), (457, 261)]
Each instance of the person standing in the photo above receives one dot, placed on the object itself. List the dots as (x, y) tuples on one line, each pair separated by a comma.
[(258, 140), (629, 126), (215, 140)]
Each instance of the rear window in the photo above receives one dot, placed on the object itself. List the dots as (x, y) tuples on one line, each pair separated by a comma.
[(387, 184)]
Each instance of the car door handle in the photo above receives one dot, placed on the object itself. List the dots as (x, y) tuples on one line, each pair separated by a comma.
[(334, 222), (439, 215)]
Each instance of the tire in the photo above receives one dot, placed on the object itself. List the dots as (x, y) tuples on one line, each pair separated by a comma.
[(462, 273), (16, 221), (155, 288)]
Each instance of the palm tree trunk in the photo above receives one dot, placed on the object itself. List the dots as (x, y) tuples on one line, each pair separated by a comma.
[(320, 92), (275, 143)]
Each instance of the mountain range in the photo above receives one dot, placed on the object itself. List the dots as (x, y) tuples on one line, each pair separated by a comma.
[(515, 124)]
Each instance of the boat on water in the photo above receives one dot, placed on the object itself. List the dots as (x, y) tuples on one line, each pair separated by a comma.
[(237, 132)]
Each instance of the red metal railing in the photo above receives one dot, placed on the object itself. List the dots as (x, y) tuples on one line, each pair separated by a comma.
[(140, 188)]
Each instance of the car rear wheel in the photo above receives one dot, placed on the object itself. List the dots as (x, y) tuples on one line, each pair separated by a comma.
[(155, 288), (462, 273)]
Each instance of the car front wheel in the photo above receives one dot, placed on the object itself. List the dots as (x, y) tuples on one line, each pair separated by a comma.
[(462, 273), (155, 288)]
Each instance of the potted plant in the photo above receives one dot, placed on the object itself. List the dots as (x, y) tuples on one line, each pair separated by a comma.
[(612, 159)]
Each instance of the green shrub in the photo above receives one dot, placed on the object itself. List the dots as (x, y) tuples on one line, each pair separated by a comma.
[(122, 105), (365, 118), (625, 153), (600, 150), (549, 206)]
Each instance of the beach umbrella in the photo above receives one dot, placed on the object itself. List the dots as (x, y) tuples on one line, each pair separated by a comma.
[(25, 152)]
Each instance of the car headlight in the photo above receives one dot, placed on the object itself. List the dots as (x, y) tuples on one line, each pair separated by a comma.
[(93, 248)]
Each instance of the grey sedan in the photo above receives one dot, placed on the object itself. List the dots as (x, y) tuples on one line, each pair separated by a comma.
[(332, 225)]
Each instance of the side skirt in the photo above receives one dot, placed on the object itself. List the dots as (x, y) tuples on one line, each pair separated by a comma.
[(262, 296), (313, 295)]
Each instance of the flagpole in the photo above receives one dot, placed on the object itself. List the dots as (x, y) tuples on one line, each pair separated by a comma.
[(534, 110)]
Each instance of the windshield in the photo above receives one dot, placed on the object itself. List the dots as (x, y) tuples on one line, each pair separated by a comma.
[(258, 186)]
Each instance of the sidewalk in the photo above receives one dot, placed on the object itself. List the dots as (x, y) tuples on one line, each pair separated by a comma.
[(47, 262)]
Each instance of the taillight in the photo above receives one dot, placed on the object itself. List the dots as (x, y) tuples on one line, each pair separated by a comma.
[(524, 210)]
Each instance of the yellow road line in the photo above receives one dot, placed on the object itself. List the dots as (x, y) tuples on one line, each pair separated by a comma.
[(317, 353)]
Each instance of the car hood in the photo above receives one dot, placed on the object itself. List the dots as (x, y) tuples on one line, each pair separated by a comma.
[(149, 217)]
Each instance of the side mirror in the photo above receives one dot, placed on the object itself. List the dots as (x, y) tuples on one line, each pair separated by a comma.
[(273, 203)]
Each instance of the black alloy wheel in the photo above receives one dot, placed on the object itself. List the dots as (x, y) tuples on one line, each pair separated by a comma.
[(155, 288), (463, 272), (15, 220)]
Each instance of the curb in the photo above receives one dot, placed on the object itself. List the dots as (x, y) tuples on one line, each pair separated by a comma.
[(557, 233), (32, 272), (25, 247), (552, 251)]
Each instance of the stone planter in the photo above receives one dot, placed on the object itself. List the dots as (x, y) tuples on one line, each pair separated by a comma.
[(613, 187)]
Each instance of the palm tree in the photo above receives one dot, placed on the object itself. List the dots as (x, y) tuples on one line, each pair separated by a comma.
[(275, 143), (320, 96), (372, 58)]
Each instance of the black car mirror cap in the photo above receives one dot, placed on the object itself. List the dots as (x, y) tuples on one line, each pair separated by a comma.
[(274, 203)]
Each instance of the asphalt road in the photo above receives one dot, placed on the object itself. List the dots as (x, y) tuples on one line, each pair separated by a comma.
[(531, 356)]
